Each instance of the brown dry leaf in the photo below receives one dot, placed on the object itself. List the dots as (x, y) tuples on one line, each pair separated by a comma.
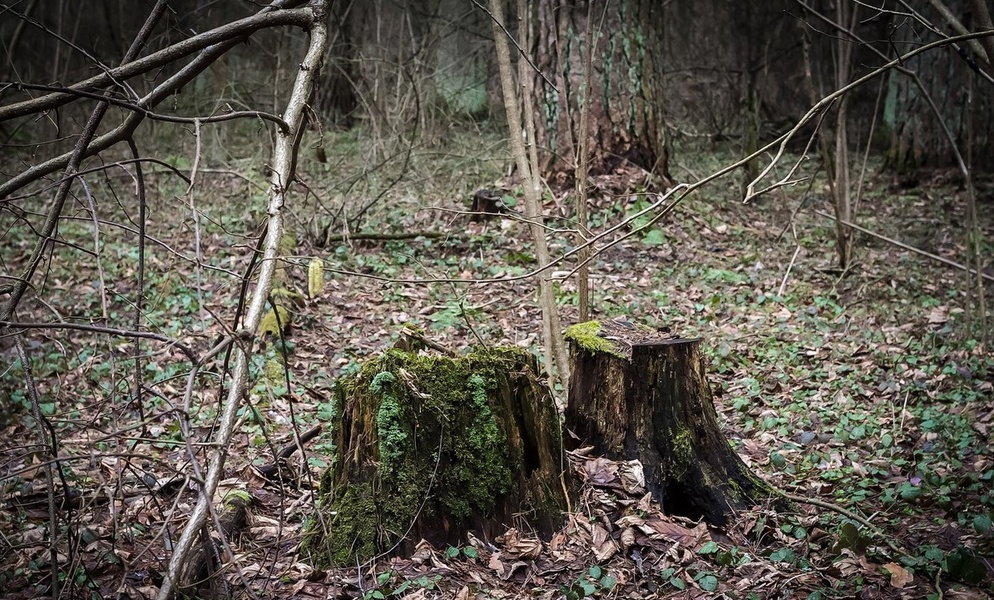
[(476, 577), (899, 576), (604, 546), (514, 567), (423, 553), (630, 521), (627, 538), (496, 565), (516, 546), (463, 593), (601, 471), (671, 531), (632, 477), (647, 504)]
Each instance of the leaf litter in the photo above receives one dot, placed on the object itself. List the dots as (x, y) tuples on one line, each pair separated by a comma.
[(859, 391)]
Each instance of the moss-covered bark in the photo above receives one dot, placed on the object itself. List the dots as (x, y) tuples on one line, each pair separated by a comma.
[(431, 447)]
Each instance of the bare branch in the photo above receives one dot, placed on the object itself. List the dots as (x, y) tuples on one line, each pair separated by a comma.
[(225, 33), (147, 335), (283, 167), (125, 129), (229, 116)]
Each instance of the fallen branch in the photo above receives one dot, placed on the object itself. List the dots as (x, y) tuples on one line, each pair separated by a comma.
[(272, 470), (935, 257), (284, 160), (381, 237)]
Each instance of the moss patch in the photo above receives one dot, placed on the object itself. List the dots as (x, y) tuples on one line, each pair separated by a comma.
[(277, 320), (440, 451), (585, 335)]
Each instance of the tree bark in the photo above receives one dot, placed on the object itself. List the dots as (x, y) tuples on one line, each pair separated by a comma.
[(916, 137), (634, 395), (433, 447), (625, 96)]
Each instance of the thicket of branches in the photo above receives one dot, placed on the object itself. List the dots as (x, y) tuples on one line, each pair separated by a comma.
[(85, 105)]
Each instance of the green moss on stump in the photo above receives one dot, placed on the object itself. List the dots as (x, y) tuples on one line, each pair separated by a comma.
[(585, 336), (439, 429)]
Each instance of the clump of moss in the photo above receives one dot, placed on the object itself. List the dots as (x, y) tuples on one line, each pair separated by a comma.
[(439, 436), (391, 432), (273, 325), (585, 335)]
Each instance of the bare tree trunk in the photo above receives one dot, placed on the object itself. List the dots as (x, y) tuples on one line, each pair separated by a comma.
[(582, 168), (841, 189)]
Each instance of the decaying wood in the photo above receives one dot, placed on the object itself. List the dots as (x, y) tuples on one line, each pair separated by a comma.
[(434, 447), (635, 395)]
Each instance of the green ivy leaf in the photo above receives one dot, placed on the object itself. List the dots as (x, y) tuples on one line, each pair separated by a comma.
[(654, 237), (708, 582), (709, 548), (982, 523)]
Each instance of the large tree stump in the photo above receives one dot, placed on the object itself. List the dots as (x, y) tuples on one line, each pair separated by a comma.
[(634, 395), (432, 447)]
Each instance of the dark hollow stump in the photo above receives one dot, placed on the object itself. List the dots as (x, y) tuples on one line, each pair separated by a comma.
[(432, 447), (633, 395)]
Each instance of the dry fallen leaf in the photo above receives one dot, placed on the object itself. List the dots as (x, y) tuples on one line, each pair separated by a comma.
[(495, 564), (604, 546), (899, 576), (671, 531), (516, 546)]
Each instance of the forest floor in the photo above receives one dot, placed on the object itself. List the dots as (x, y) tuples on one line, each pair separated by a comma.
[(859, 389)]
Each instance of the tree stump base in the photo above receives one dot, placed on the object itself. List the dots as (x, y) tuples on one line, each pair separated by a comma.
[(633, 395), (432, 447)]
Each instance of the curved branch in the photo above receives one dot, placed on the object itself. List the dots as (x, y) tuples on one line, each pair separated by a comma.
[(781, 142), (148, 335), (125, 129), (239, 114), (284, 157), (119, 163), (225, 33), (72, 167)]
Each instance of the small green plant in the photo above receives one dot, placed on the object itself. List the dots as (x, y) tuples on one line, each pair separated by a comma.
[(453, 552), (707, 581), (385, 588), (669, 576), (590, 583)]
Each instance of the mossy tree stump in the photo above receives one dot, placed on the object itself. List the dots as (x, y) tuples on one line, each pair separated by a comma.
[(432, 447), (634, 395)]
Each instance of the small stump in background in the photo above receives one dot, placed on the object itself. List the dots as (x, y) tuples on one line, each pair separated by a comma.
[(432, 447), (634, 395)]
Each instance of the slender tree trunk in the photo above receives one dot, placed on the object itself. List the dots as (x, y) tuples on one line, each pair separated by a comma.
[(555, 353), (841, 189)]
